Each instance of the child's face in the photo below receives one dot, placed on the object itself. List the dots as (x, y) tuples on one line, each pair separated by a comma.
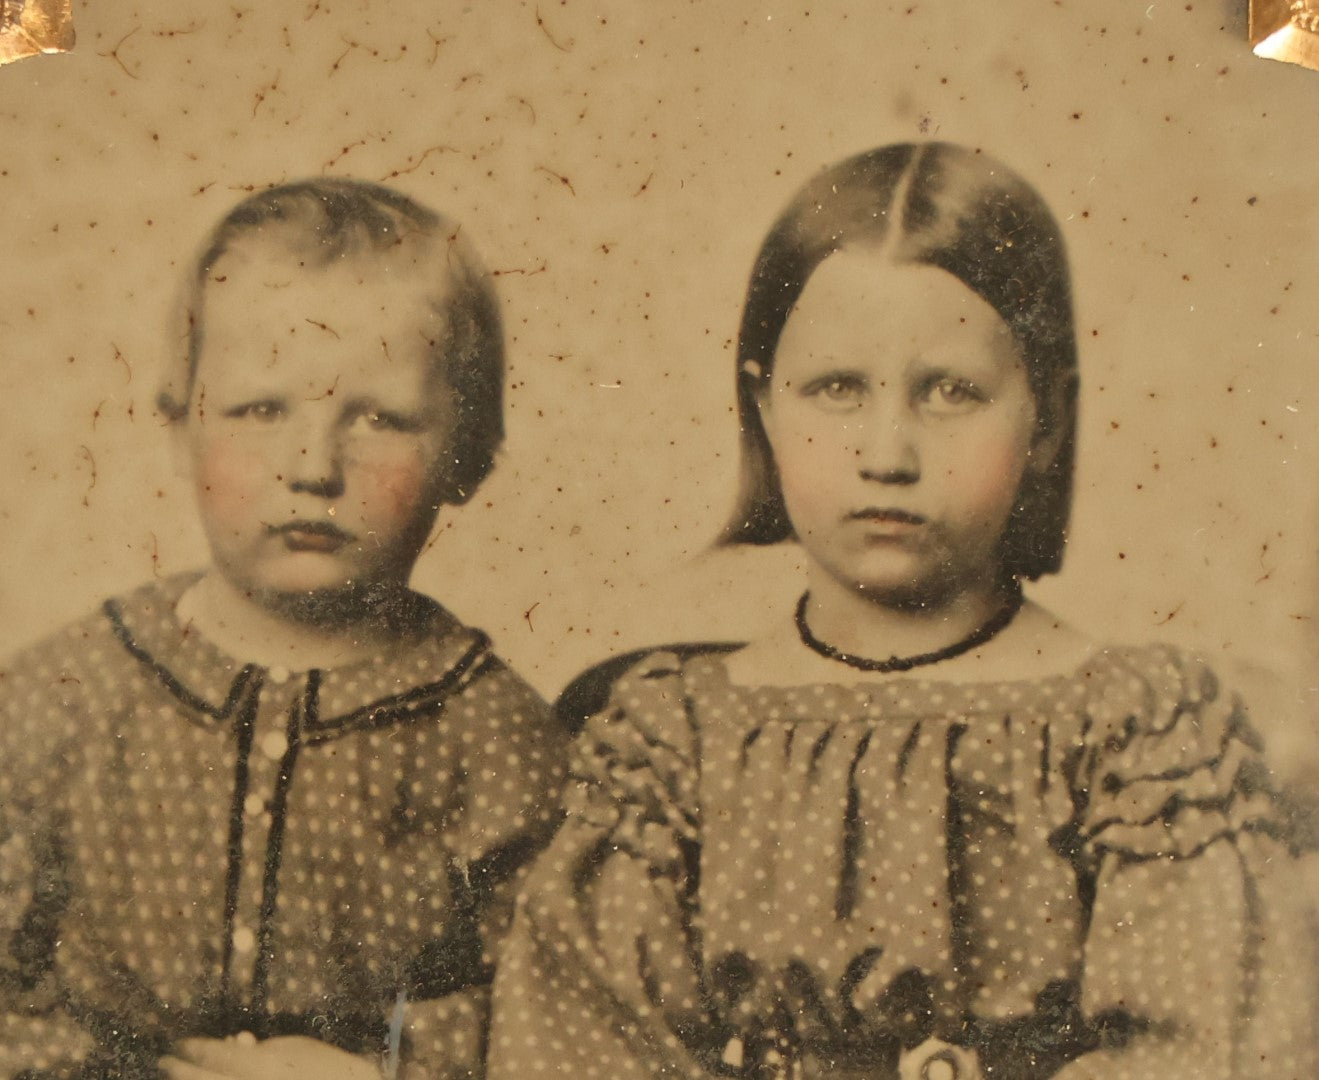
[(901, 421), (319, 426)]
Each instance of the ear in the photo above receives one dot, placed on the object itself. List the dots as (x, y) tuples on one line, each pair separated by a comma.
[(1050, 424)]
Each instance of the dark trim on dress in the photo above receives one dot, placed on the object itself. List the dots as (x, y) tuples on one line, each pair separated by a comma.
[(475, 662), (300, 715), (244, 731), (114, 613)]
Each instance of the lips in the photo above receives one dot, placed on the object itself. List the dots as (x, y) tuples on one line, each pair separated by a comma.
[(886, 516), (322, 537), (888, 525)]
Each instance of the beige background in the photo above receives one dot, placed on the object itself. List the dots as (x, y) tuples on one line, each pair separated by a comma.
[(617, 164)]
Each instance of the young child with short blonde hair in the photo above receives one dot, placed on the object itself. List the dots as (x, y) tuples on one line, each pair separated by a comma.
[(268, 816)]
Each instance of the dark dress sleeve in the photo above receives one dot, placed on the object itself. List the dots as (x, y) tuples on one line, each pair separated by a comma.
[(37, 1038), (1195, 934), (507, 811), (599, 977)]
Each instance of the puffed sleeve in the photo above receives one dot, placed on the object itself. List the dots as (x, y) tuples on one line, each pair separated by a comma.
[(36, 1038), (513, 758), (1196, 938), (599, 976)]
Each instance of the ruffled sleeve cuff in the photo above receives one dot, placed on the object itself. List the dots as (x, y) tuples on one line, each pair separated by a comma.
[(1175, 765), (635, 764)]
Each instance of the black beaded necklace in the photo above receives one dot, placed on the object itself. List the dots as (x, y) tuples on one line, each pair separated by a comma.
[(978, 636)]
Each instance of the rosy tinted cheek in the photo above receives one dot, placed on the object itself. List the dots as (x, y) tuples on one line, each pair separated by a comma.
[(394, 490), (227, 478), (807, 477), (994, 479)]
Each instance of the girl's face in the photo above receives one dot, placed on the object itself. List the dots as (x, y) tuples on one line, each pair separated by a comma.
[(319, 427), (901, 421)]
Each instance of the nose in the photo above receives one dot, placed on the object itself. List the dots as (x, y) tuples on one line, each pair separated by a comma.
[(887, 447), (315, 461)]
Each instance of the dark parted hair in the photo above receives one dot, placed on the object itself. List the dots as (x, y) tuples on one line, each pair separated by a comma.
[(322, 221), (930, 204)]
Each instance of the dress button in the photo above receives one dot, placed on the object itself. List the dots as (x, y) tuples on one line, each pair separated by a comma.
[(939, 1069), (935, 1059), (244, 940), (273, 744)]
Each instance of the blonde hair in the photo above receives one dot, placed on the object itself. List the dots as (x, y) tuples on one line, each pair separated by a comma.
[(323, 220)]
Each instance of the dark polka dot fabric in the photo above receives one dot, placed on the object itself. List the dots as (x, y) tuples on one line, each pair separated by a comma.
[(193, 846), (1083, 876)]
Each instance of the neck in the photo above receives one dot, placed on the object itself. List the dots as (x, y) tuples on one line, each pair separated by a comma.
[(298, 635), (864, 625)]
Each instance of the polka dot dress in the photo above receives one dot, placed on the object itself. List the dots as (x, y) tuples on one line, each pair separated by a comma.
[(1073, 877), (190, 846)]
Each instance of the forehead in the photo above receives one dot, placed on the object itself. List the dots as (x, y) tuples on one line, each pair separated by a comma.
[(281, 273), (860, 296), (268, 304)]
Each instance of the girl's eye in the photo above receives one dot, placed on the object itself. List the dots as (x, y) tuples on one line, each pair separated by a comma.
[(838, 391), (263, 411), (951, 395)]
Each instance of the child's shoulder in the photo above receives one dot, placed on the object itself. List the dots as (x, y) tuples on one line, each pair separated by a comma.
[(51, 690), (1176, 762), (485, 682), (646, 672), (59, 659), (433, 663), (1158, 680)]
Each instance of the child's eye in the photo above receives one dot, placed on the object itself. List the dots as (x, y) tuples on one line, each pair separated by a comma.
[(382, 420), (837, 391), (264, 411), (951, 395)]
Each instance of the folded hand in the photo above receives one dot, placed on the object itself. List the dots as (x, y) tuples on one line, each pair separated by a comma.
[(242, 1057)]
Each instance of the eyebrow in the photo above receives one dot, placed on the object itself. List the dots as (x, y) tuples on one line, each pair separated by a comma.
[(368, 402)]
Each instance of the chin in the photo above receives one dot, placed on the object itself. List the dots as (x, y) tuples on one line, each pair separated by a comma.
[(913, 588), (923, 591), (906, 595), (893, 582), (325, 602), (330, 576)]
